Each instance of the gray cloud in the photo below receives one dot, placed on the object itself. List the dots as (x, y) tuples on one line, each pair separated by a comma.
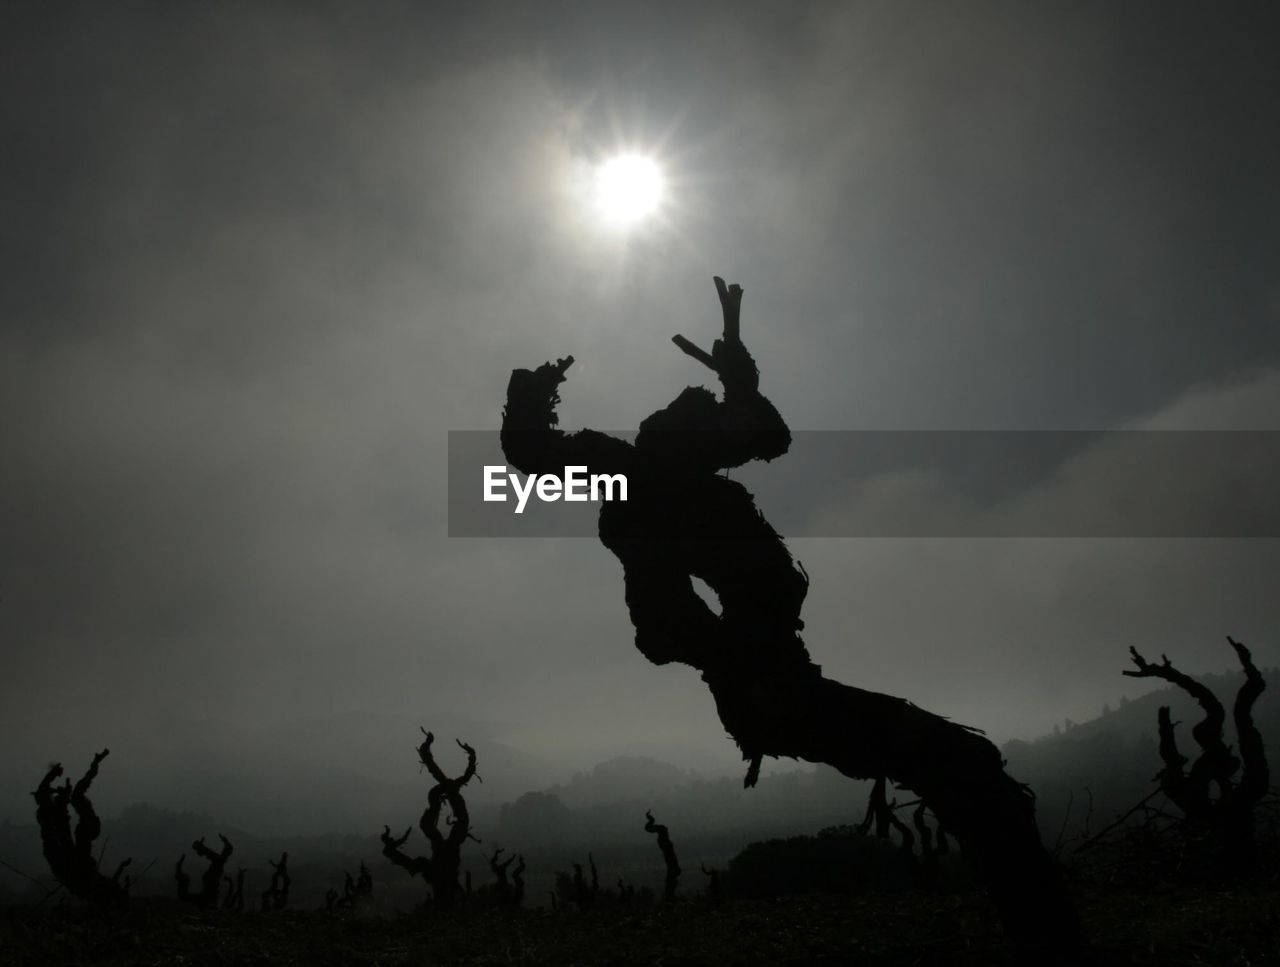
[(259, 258)]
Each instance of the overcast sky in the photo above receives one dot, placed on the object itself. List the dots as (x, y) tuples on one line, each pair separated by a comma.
[(258, 259)]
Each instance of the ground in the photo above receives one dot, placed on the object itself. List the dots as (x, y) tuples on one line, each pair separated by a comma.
[(1170, 928)]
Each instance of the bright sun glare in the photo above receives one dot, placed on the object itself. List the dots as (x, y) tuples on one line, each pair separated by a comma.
[(627, 189)]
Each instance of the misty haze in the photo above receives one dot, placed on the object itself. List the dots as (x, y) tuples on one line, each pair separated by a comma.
[(269, 269)]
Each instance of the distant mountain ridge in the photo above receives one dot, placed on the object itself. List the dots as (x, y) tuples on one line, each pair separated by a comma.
[(623, 778)]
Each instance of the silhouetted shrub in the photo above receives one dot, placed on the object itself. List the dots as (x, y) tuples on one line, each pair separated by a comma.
[(837, 860)]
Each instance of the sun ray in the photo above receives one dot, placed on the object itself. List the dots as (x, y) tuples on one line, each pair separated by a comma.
[(627, 189)]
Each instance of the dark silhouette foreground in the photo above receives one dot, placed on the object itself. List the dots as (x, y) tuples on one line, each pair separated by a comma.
[(233, 899), (355, 891), (672, 878), (276, 895), (684, 519), (70, 854), (508, 888), (441, 868), (575, 891), (210, 880), (1220, 792)]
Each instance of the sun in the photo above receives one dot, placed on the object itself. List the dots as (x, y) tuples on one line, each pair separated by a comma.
[(627, 189)]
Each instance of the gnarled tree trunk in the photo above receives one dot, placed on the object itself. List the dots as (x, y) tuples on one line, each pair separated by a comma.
[(441, 868), (683, 519), (210, 879), (70, 854), (1220, 791), (672, 878), (958, 773)]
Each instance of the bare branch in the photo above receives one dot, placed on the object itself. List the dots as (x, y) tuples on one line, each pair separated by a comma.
[(1255, 777)]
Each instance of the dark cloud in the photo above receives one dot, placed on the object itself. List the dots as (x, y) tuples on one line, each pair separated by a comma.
[(259, 258)]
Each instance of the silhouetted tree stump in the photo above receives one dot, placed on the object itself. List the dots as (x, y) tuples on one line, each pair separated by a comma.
[(517, 881), (684, 519), (586, 894), (502, 884), (923, 869), (210, 880), (233, 900), (276, 895), (355, 891), (933, 846), (1220, 791), (672, 878), (442, 867), (70, 854)]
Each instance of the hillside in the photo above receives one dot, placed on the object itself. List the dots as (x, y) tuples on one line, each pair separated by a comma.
[(1112, 760)]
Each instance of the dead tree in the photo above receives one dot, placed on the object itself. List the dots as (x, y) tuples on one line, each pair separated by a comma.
[(882, 813), (517, 881), (276, 895), (923, 869), (234, 898), (683, 519), (70, 854), (877, 811), (713, 881), (906, 841), (668, 849), (502, 885), (585, 894), (932, 847), (358, 890), (442, 867), (1220, 791), (210, 880), (576, 890), (355, 891)]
